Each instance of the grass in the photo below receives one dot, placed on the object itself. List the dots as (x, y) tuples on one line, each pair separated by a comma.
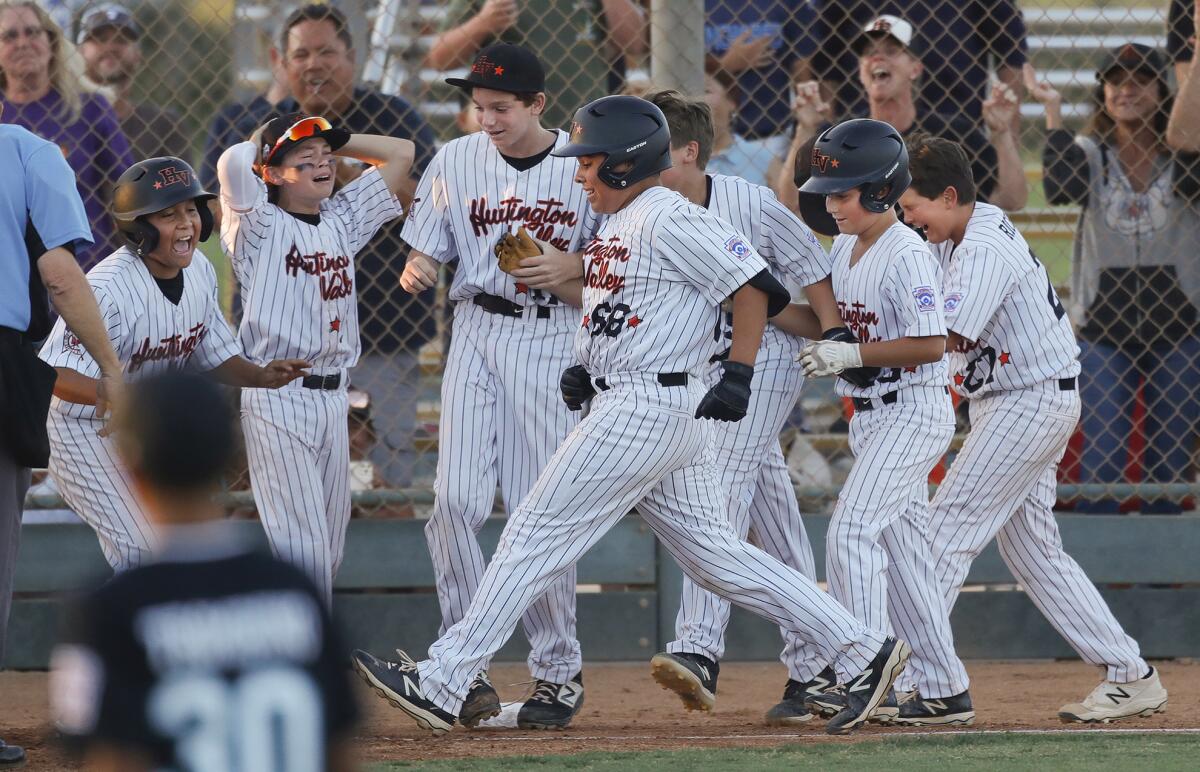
[(1067, 753)]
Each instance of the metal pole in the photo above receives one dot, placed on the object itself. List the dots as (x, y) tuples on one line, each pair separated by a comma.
[(677, 44)]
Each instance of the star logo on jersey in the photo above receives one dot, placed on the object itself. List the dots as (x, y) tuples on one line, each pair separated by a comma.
[(958, 379), (910, 369), (522, 288), (1005, 358), (633, 321), (172, 176), (335, 325)]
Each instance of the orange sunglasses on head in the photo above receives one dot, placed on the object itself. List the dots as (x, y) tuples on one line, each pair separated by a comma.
[(301, 129)]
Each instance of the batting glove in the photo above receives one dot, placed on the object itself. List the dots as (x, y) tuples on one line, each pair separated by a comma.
[(576, 387), (829, 357), (728, 400)]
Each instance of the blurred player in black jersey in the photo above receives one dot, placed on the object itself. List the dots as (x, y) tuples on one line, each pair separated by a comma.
[(213, 656)]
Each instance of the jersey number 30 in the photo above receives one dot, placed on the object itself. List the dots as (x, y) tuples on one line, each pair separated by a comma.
[(266, 720)]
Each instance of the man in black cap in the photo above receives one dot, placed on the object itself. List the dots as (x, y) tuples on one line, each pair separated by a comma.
[(109, 40), (501, 415)]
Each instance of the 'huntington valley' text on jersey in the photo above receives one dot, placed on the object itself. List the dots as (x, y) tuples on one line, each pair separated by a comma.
[(893, 291), (654, 277), (999, 298), (469, 196)]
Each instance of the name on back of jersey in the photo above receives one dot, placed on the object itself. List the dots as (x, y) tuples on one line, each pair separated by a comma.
[(538, 218), (333, 272)]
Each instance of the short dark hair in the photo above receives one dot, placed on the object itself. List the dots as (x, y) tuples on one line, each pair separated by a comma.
[(937, 164), (317, 12), (176, 430), (690, 120)]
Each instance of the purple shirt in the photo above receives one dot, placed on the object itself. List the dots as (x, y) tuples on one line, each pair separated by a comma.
[(95, 148)]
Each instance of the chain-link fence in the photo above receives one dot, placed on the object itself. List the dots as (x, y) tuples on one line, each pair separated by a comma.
[(1062, 104)]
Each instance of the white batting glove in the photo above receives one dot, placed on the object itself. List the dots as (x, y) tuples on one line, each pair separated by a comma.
[(829, 357)]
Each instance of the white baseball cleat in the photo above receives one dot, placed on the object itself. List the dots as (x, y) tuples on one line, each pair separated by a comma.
[(1111, 702)]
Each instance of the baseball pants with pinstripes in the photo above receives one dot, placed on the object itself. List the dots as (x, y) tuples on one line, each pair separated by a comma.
[(1002, 485), (638, 447), (502, 419), (754, 476), (95, 484), (298, 449), (877, 550)]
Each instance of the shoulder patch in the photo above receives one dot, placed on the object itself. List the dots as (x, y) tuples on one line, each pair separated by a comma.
[(952, 302), (737, 247), (925, 298)]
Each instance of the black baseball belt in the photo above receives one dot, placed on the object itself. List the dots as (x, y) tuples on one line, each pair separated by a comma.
[(498, 305)]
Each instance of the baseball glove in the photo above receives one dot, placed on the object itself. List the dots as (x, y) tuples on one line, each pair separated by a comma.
[(512, 248), (862, 377)]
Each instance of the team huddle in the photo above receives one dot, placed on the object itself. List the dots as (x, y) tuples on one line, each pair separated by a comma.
[(641, 352)]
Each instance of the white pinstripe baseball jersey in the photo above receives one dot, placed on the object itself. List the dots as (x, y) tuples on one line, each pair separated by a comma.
[(149, 333), (297, 278), (998, 296), (893, 291), (469, 196), (655, 276)]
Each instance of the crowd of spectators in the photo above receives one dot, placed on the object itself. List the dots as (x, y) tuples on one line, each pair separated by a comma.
[(778, 72)]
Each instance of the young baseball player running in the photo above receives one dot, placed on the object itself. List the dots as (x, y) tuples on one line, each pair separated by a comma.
[(501, 414), (1013, 355), (657, 273), (753, 474), (292, 247), (159, 302), (888, 287)]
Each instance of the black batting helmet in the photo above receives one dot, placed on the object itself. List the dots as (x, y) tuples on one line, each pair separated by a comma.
[(625, 129), (865, 154), (153, 185)]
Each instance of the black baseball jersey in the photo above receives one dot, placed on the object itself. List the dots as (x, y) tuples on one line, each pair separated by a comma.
[(228, 664)]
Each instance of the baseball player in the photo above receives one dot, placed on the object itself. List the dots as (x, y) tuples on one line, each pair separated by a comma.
[(1013, 356), (501, 414), (292, 246), (888, 287), (158, 299), (753, 473), (657, 272), (213, 656)]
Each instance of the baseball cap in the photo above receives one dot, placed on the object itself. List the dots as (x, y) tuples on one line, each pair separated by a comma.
[(1133, 57), (105, 15), (887, 25), (282, 133), (504, 67)]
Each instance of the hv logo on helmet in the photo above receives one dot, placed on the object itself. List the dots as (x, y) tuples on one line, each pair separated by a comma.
[(822, 161), (172, 176)]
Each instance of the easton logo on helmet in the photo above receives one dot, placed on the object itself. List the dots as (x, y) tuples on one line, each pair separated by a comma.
[(635, 147), (172, 176)]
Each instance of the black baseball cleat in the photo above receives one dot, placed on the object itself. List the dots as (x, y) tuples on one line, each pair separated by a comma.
[(867, 690), (791, 709), (551, 706), (833, 701), (400, 684), (481, 703), (692, 676), (944, 711)]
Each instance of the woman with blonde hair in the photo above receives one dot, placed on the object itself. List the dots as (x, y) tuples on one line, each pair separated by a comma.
[(40, 91)]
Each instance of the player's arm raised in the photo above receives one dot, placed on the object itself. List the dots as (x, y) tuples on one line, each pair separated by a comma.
[(392, 156)]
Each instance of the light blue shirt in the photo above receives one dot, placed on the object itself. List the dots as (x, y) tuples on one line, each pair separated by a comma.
[(38, 193), (749, 160)]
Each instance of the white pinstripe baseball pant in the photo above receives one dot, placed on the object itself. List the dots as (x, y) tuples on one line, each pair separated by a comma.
[(639, 447), (760, 496), (1002, 486), (502, 418), (298, 448)]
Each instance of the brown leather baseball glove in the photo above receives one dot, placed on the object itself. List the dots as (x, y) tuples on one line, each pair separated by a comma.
[(512, 248)]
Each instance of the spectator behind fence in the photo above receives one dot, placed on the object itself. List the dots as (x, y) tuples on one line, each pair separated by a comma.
[(42, 223), (764, 44), (109, 40), (585, 39), (732, 153), (319, 65), (889, 71), (42, 94), (965, 39), (1135, 280)]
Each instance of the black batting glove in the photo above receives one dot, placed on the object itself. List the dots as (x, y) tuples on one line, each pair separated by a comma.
[(728, 400), (576, 387)]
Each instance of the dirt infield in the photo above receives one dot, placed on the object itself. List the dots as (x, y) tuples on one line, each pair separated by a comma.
[(626, 711)]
